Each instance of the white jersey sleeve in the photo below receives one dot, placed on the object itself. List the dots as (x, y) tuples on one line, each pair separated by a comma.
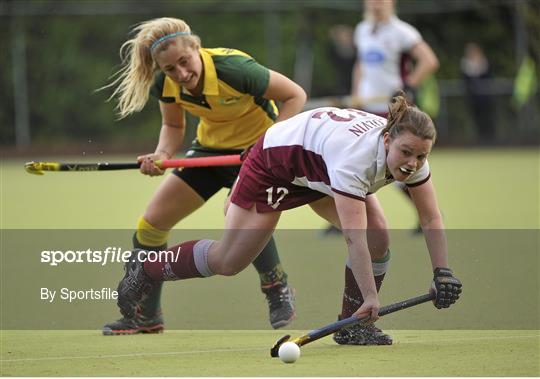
[(419, 177), (409, 35)]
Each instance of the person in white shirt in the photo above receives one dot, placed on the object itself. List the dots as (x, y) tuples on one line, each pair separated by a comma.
[(334, 160), (384, 43)]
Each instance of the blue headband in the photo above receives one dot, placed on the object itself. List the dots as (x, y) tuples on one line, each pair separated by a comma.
[(164, 38)]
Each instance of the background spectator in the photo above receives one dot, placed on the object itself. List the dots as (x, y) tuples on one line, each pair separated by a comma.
[(476, 70)]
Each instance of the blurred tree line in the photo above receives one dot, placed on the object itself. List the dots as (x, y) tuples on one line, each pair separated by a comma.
[(71, 49)]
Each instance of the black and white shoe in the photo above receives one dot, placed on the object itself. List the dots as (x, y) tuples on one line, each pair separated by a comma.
[(134, 286), (280, 300), (362, 335), (139, 324)]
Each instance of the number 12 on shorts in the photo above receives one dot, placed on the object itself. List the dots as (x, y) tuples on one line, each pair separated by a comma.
[(280, 193)]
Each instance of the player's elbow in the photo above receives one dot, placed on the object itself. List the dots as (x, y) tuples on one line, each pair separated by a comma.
[(298, 95), (355, 239), (435, 64), (432, 221)]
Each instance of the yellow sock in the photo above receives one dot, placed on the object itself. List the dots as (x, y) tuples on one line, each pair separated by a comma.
[(148, 235)]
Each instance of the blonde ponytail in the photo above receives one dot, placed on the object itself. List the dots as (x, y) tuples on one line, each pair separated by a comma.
[(134, 80)]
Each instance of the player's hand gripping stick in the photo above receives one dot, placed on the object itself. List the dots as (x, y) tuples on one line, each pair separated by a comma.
[(446, 287)]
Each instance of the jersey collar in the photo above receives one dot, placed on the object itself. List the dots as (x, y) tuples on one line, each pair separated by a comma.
[(391, 20), (210, 74)]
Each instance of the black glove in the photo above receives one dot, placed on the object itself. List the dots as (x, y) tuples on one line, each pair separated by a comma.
[(446, 287)]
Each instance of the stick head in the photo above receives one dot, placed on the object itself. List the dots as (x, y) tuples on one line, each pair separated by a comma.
[(33, 168), (275, 349), (37, 168)]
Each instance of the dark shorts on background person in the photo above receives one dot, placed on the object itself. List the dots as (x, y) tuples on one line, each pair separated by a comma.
[(207, 181), (258, 184)]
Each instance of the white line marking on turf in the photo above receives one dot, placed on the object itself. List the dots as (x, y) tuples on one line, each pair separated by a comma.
[(131, 355), (239, 350)]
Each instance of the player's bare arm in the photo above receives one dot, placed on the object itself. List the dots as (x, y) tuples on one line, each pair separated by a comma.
[(353, 218), (170, 138), (425, 200), (355, 82), (426, 63), (290, 94), (445, 285)]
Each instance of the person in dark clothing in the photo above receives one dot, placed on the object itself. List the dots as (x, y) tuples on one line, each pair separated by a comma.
[(476, 72)]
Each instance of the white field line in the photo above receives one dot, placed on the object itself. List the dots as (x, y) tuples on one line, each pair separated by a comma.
[(243, 350), (132, 355)]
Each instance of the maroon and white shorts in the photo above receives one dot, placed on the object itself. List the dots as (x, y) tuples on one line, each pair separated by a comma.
[(269, 186)]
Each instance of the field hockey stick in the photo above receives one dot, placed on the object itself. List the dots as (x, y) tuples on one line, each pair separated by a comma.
[(316, 334), (37, 168)]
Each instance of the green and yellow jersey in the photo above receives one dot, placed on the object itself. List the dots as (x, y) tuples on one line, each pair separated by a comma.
[(232, 110)]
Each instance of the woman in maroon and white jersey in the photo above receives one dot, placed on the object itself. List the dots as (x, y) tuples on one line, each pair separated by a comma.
[(334, 160)]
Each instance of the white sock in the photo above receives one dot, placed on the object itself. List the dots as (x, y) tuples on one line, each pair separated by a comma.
[(200, 255)]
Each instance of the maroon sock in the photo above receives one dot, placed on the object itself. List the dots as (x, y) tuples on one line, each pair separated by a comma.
[(352, 296), (181, 266)]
